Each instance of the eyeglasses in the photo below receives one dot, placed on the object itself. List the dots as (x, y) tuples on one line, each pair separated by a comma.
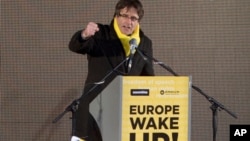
[(125, 16)]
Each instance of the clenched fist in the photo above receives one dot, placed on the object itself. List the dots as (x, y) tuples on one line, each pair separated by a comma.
[(90, 30)]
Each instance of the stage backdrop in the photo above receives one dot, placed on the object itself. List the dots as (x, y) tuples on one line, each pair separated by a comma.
[(206, 39)]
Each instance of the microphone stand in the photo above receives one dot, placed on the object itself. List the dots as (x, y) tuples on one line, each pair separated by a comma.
[(74, 105), (215, 104)]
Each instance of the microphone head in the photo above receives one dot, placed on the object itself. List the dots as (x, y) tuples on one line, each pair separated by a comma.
[(133, 41), (133, 45)]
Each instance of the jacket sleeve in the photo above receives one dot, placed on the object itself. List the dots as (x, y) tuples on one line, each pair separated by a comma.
[(78, 45)]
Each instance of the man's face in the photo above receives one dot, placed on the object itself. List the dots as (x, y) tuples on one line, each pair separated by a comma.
[(127, 20)]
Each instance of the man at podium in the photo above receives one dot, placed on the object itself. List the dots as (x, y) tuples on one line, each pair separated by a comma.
[(111, 50)]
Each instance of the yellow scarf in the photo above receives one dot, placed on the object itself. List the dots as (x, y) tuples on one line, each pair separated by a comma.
[(125, 39)]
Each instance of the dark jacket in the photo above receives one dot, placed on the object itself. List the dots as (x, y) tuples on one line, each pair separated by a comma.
[(105, 51)]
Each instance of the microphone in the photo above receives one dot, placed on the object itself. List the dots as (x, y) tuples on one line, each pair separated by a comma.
[(134, 47)]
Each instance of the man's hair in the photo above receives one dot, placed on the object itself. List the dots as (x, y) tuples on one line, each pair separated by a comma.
[(129, 3)]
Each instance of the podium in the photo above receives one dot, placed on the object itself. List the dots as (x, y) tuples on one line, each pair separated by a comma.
[(151, 108)]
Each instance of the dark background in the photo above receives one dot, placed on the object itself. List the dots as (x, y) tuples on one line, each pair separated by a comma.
[(206, 39)]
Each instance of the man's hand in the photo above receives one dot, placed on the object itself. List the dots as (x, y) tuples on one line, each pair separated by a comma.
[(90, 30)]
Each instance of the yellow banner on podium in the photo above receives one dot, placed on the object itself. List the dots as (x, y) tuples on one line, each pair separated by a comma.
[(156, 108)]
